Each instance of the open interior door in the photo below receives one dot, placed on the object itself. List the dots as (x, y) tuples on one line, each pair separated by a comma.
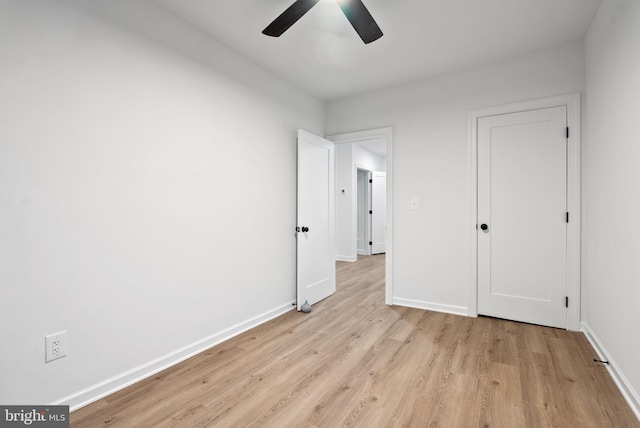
[(316, 270), (378, 212)]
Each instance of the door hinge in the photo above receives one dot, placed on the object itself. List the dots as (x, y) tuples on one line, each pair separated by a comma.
[(567, 216), (370, 242), (567, 132), (566, 301)]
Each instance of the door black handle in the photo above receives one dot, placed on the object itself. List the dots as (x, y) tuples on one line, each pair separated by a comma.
[(484, 227), (305, 229)]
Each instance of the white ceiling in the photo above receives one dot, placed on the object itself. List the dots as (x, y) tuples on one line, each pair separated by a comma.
[(324, 56)]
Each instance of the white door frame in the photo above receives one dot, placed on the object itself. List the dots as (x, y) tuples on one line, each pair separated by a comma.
[(387, 134), (572, 102)]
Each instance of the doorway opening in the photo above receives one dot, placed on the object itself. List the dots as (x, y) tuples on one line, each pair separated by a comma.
[(363, 215), (371, 212)]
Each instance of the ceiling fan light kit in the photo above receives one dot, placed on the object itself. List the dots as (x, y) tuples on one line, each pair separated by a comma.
[(355, 11)]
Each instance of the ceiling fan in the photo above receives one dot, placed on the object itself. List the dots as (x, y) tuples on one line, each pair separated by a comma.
[(354, 10)]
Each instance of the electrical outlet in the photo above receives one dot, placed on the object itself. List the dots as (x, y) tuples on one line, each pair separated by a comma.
[(55, 346), (413, 204)]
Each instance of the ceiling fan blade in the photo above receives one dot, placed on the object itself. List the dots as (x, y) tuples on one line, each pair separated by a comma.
[(362, 21), (289, 17)]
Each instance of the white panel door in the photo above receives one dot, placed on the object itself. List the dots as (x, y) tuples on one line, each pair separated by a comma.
[(316, 270), (362, 208), (522, 229), (378, 212)]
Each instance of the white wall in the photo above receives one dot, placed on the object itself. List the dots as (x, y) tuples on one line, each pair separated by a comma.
[(611, 183), (431, 265), (348, 157), (367, 159), (344, 234), (138, 180)]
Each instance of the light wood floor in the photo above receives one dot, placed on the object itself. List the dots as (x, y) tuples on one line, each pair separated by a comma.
[(357, 362)]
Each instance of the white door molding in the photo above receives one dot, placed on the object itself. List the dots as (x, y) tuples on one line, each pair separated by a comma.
[(387, 134), (572, 102)]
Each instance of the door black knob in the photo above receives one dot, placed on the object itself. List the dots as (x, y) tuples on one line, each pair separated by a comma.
[(305, 229), (484, 226)]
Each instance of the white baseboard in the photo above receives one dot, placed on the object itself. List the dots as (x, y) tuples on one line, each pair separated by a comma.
[(623, 384), (428, 306), (121, 381), (347, 258)]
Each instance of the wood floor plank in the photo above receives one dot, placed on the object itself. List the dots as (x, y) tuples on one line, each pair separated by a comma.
[(352, 392), (531, 342), (578, 390), (543, 402), (501, 399), (503, 346), (354, 361)]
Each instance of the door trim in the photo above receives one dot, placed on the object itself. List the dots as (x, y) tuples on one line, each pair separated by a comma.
[(386, 133), (572, 103)]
